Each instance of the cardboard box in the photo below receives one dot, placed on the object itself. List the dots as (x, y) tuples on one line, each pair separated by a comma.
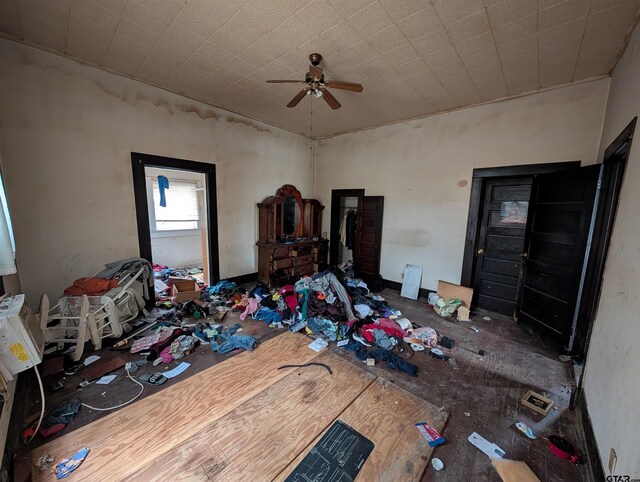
[(183, 290), (447, 291)]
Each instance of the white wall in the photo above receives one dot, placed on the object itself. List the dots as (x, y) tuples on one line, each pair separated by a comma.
[(67, 131), (419, 167), (612, 380)]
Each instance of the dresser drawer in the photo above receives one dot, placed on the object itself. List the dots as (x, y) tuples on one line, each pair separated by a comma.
[(281, 252), (281, 263), (302, 260)]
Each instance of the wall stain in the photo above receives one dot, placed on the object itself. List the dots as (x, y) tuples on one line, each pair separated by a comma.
[(170, 107), (234, 120)]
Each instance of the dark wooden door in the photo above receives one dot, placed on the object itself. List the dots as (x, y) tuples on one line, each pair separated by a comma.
[(366, 253), (558, 235), (501, 243)]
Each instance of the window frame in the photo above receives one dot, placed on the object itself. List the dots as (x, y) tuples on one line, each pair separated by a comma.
[(170, 233)]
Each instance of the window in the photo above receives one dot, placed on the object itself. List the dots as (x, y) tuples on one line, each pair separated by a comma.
[(7, 243), (181, 212)]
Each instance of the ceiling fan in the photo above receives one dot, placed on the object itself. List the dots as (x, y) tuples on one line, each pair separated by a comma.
[(316, 85)]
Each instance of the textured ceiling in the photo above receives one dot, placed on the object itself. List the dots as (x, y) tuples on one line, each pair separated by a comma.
[(414, 57)]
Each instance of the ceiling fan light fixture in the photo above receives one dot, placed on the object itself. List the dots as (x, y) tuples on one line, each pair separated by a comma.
[(317, 93)]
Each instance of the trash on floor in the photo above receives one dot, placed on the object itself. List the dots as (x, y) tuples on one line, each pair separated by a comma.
[(177, 370), (463, 313), (536, 402), (437, 464), (489, 448), (431, 435), (564, 449), (66, 466), (318, 344), (525, 429)]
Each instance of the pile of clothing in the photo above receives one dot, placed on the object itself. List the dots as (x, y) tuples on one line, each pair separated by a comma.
[(337, 307)]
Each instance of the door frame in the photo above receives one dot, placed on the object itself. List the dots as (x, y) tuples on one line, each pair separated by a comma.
[(138, 163), (334, 220), (480, 177), (616, 154)]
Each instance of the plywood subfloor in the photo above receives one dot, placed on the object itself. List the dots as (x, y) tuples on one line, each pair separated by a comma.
[(245, 420)]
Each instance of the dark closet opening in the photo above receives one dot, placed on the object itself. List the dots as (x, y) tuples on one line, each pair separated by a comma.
[(337, 201)]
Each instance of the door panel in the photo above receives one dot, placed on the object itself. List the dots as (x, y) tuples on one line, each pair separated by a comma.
[(500, 245), (366, 254), (559, 223)]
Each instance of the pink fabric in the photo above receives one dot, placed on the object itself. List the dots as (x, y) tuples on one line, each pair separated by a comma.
[(166, 356), (252, 307)]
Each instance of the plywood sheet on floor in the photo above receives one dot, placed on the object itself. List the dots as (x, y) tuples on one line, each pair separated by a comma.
[(259, 438), (386, 414), (128, 439), (245, 420)]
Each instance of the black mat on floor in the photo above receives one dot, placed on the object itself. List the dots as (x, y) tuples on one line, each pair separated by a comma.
[(337, 457)]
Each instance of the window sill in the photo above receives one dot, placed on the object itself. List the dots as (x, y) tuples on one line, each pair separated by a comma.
[(179, 233)]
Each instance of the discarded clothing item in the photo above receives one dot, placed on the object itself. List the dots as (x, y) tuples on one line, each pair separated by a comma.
[(130, 266), (290, 296), (222, 287), (321, 326), (252, 307), (66, 466), (163, 183), (296, 327), (63, 414), (427, 335), (153, 378), (393, 360), (268, 315), (90, 287), (259, 292), (390, 327), (382, 339), (227, 341), (181, 346), (363, 310)]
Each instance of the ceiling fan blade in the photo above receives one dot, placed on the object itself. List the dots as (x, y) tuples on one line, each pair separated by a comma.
[(284, 82), (353, 87), (331, 100), (296, 100)]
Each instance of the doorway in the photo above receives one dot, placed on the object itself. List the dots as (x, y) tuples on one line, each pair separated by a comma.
[(356, 234), (176, 214)]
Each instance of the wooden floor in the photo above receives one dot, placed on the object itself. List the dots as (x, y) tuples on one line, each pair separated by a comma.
[(243, 419)]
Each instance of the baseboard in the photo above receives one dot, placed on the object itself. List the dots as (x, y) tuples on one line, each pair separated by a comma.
[(394, 285), (244, 278), (595, 463)]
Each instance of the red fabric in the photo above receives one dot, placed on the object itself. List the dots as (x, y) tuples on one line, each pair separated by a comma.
[(387, 325), (90, 286), (290, 297)]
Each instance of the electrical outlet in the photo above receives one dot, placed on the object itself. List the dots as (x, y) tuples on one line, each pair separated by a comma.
[(613, 459)]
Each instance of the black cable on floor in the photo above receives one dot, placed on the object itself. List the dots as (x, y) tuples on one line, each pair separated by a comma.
[(307, 365)]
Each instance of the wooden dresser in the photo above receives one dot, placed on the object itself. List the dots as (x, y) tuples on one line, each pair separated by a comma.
[(289, 237)]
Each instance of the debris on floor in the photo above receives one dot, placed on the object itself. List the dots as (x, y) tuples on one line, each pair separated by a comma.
[(431, 435), (492, 450), (537, 402), (525, 429), (66, 466)]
